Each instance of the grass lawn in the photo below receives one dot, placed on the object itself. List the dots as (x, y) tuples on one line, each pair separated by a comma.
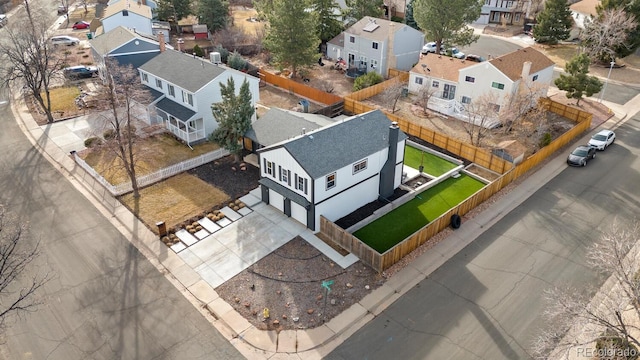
[(433, 164), (63, 98), (154, 153), (390, 229), (560, 54), (174, 200)]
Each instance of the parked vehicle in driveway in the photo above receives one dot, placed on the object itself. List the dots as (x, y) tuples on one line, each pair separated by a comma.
[(602, 139), (65, 40), (475, 58), (80, 72), (80, 25), (453, 52), (581, 155)]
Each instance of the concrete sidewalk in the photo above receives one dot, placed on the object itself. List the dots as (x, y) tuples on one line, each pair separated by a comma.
[(294, 344)]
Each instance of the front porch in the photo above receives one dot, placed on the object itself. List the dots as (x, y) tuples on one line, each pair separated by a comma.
[(180, 121)]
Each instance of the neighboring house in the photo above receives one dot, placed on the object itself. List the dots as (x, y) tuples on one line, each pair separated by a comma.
[(161, 27), (184, 87), (125, 46), (334, 170), (130, 14), (512, 12), (377, 45), (152, 4), (277, 125), (456, 83)]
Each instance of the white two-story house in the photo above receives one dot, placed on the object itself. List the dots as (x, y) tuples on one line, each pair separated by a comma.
[(512, 12), (454, 83), (184, 87), (377, 45), (334, 170), (128, 13)]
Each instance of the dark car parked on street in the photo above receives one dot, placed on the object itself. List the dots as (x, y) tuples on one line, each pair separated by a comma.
[(581, 155)]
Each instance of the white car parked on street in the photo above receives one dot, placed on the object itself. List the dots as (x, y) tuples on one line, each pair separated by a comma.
[(602, 139)]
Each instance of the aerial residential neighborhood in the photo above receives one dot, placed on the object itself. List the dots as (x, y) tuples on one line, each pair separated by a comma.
[(319, 179)]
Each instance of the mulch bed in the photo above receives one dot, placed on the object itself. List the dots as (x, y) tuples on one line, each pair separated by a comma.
[(221, 174), (288, 282)]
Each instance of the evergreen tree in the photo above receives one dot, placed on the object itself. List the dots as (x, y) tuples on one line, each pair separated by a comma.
[(631, 7), (173, 9), (554, 22), (358, 9), (291, 35), (408, 16), (213, 13), (578, 83), (446, 21), (233, 115), (329, 25)]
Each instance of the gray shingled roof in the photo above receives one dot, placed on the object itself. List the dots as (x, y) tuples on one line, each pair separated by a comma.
[(336, 146), (173, 108), (111, 40), (182, 70), (277, 125)]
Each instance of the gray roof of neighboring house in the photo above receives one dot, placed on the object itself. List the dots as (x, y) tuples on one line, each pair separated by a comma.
[(173, 108), (380, 33), (277, 125), (336, 146), (185, 71), (105, 43)]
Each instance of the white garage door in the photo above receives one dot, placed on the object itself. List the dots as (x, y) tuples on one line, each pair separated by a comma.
[(276, 200), (299, 213)]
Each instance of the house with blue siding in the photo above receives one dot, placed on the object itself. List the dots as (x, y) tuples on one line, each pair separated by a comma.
[(333, 170), (378, 45), (184, 87)]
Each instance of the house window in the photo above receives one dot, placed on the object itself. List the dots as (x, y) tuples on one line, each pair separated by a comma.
[(535, 77), (145, 77), (507, 16), (487, 2), (331, 181), (449, 92), (419, 80), (374, 64), (509, 4), (495, 107), (359, 166), (466, 100), (470, 79), (435, 84), (301, 184), (125, 12), (497, 85), (187, 98), (517, 17), (270, 168), (352, 39), (159, 83), (172, 90), (374, 45), (284, 176)]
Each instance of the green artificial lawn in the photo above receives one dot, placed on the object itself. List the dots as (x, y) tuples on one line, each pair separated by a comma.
[(433, 165), (385, 232)]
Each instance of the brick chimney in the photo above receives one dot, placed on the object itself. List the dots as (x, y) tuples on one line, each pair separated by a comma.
[(388, 172), (526, 69), (163, 47)]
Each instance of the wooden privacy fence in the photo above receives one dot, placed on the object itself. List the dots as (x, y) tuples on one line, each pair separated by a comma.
[(482, 157), (298, 88)]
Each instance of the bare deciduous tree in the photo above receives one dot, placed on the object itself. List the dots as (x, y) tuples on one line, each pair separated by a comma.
[(424, 96), (480, 113), (521, 105), (28, 57), (604, 34), (19, 283), (123, 90), (613, 314), (392, 94)]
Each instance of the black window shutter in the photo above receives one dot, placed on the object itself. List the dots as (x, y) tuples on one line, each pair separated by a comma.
[(279, 173), (295, 181), (265, 164), (305, 186), (289, 177)]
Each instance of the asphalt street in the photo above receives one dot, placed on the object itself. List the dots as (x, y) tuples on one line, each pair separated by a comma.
[(105, 301), (485, 302)]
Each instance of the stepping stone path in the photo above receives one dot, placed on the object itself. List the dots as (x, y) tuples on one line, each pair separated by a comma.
[(208, 227)]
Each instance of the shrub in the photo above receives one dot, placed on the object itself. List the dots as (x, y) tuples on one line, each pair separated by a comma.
[(367, 80), (546, 140), (236, 61), (197, 51), (611, 344), (224, 53), (92, 141), (109, 134)]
